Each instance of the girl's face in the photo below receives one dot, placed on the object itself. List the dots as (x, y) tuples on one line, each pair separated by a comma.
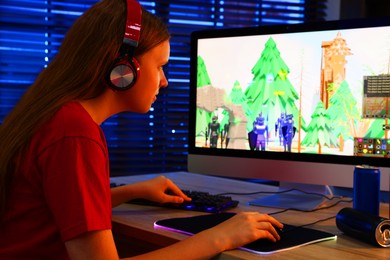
[(151, 78)]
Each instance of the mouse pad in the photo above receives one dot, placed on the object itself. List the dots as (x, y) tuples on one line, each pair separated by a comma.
[(291, 236)]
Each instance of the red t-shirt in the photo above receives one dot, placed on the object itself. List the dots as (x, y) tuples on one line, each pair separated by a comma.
[(62, 189)]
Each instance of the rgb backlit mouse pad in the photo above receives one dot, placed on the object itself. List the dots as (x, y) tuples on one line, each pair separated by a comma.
[(291, 236)]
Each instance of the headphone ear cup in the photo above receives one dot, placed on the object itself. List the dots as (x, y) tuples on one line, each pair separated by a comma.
[(123, 74)]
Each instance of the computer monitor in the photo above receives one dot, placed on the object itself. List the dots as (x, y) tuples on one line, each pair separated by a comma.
[(301, 103)]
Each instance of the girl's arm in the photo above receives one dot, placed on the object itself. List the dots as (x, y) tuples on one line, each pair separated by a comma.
[(153, 189)]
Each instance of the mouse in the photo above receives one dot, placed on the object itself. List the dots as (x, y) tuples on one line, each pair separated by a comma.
[(282, 231)]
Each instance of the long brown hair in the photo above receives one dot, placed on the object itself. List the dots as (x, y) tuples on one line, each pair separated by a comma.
[(76, 73)]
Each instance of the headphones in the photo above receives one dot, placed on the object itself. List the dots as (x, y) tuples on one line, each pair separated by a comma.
[(125, 70)]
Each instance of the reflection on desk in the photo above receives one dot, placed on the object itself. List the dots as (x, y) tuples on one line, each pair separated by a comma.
[(133, 225)]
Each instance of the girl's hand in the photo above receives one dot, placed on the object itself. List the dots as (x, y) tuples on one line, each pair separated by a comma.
[(244, 228), (156, 190)]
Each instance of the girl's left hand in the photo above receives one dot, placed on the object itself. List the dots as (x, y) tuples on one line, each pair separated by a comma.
[(156, 190)]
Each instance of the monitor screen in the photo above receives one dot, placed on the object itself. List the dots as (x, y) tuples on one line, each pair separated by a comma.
[(301, 103)]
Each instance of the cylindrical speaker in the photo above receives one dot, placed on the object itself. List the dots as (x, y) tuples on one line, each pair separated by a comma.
[(364, 226)]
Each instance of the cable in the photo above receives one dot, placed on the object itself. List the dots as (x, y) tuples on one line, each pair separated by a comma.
[(312, 223), (318, 221), (280, 192), (312, 210), (278, 212)]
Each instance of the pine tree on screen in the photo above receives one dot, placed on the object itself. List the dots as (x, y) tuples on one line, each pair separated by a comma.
[(319, 130), (271, 92)]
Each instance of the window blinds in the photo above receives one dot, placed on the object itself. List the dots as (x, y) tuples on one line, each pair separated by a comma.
[(32, 30)]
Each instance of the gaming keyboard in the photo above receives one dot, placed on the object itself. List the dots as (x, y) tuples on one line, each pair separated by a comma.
[(201, 201)]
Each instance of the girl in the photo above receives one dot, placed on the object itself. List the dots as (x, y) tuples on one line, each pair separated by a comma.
[(55, 197)]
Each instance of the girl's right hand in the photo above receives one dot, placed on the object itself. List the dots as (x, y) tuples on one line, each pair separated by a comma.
[(244, 228)]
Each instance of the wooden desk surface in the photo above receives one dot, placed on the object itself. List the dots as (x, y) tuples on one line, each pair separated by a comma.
[(135, 224)]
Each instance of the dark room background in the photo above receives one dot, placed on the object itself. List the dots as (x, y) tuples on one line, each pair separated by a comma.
[(32, 31)]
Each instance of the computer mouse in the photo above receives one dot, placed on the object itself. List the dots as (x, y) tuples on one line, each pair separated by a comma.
[(282, 231)]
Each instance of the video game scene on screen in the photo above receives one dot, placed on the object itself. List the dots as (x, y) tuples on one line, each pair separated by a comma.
[(326, 92)]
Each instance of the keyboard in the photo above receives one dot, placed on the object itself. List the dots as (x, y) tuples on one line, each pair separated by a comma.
[(201, 201)]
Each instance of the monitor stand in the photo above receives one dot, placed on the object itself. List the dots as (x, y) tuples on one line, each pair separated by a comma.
[(294, 199)]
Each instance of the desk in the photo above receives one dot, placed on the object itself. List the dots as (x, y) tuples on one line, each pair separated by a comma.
[(133, 224)]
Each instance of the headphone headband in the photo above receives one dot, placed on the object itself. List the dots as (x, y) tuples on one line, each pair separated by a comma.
[(133, 23)]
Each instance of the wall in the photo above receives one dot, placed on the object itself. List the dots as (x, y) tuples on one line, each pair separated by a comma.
[(363, 8)]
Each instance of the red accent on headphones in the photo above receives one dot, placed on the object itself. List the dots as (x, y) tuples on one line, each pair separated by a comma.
[(125, 70)]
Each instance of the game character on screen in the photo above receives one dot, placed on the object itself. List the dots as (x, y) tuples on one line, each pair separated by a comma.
[(258, 137), (225, 135), (213, 132), (288, 131), (278, 127)]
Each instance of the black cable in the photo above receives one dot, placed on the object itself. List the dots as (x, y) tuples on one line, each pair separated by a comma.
[(318, 221), (278, 212), (312, 210), (312, 223), (278, 192)]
